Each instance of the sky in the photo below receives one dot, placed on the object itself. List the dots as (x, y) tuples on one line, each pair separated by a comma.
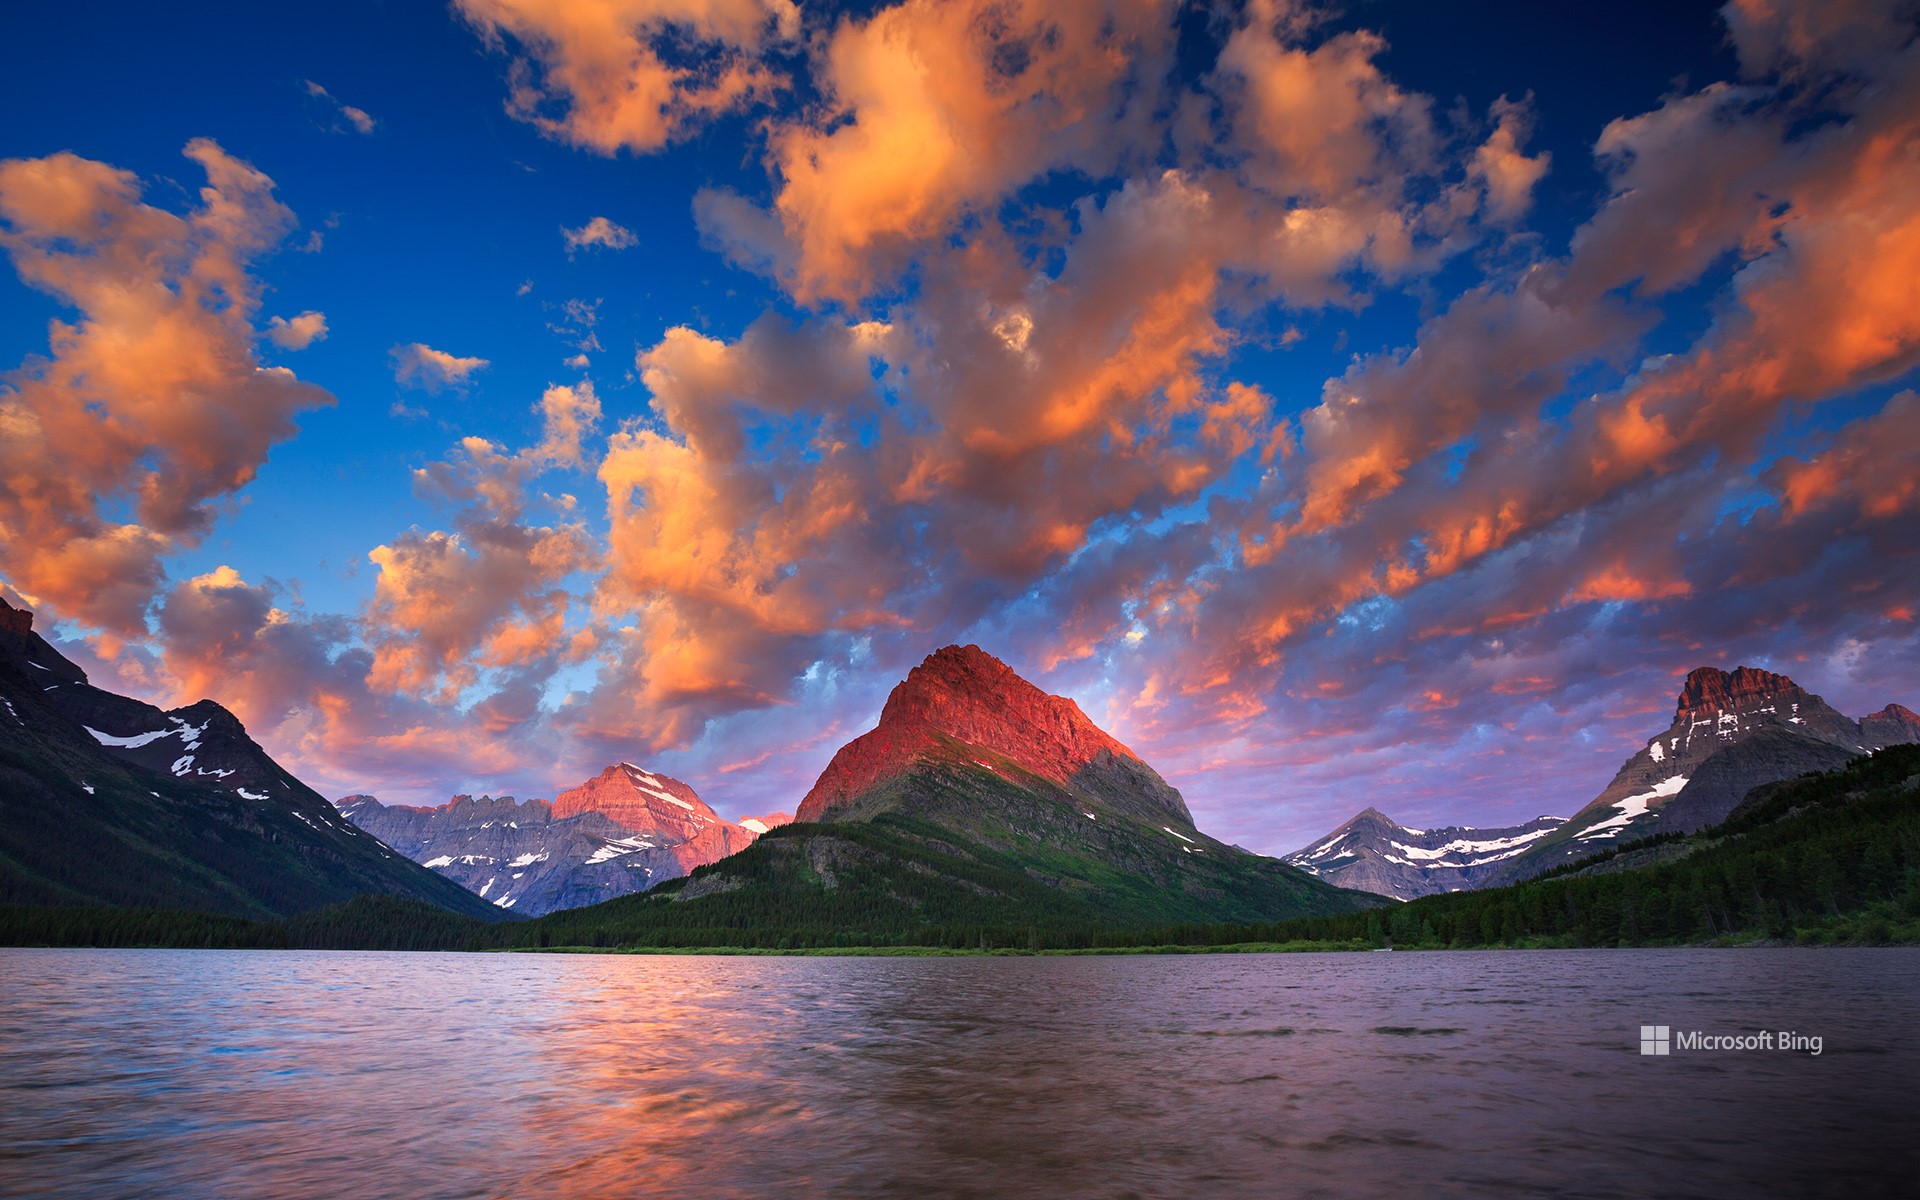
[(1382, 405)]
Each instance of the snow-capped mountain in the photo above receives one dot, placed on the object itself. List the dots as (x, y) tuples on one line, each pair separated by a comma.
[(622, 831), (1375, 854), (1731, 732), (770, 821), (105, 799)]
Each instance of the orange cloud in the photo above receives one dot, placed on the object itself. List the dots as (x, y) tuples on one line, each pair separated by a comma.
[(934, 109), (1874, 464), (299, 332), (1617, 582), (1323, 124), (598, 232), (154, 395), (1507, 174), (598, 64), (1827, 302), (419, 365), (488, 593)]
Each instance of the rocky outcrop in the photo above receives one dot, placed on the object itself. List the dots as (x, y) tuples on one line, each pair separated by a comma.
[(641, 800), (15, 622)]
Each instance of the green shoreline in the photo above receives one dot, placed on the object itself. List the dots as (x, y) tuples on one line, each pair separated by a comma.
[(1306, 947)]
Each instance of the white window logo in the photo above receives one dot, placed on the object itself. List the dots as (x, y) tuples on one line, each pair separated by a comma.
[(1653, 1039)]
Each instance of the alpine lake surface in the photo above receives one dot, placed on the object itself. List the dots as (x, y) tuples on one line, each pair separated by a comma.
[(143, 1073)]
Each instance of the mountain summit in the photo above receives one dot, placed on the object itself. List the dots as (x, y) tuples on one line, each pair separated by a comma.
[(105, 799), (1716, 707), (1731, 732), (622, 831), (980, 800), (1374, 853), (963, 702)]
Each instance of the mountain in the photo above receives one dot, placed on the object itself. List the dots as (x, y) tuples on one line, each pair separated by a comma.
[(961, 701), (977, 800), (1767, 755), (1819, 859), (1894, 725), (1374, 854), (1731, 731), (622, 831), (108, 800)]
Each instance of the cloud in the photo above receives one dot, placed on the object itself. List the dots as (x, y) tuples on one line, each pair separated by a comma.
[(1020, 387), (153, 397), (301, 684), (1874, 465), (487, 593), (1502, 169), (354, 117), (598, 232), (608, 75), (299, 332), (419, 365), (879, 480), (933, 110)]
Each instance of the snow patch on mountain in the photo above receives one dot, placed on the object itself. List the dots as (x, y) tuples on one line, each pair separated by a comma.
[(1629, 809)]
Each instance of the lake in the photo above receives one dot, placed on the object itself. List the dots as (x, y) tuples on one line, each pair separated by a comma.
[(263, 1074)]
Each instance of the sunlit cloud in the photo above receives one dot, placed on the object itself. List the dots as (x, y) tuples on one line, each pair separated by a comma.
[(1068, 339), (594, 73), (419, 365), (599, 232), (152, 404), (297, 333), (355, 118)]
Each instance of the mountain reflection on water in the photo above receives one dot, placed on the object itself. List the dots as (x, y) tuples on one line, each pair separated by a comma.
[(260, 1074)]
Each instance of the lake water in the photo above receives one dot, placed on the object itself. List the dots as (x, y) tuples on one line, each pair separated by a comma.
[(254, 1074)]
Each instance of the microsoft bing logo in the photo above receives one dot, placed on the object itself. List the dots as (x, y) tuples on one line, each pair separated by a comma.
[(1653, 1039)]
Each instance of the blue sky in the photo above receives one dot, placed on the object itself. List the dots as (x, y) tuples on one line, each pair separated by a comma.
[(1212, 491)]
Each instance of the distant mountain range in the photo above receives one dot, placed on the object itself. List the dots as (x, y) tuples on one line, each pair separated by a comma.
[(1373, 853), (623, 831), (978, 800), (107, 800), (1731, 731)]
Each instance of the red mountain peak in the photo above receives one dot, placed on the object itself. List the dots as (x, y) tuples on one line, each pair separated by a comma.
[(965, 693), (1709, 689), (641, 800)]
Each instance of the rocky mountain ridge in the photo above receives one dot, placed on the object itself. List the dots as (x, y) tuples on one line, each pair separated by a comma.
[(1731, 731), (623, 831), (107, 799), (1375, 854)]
